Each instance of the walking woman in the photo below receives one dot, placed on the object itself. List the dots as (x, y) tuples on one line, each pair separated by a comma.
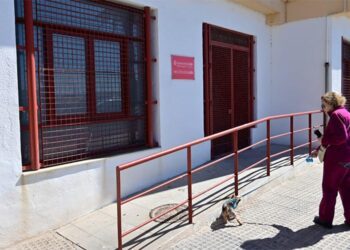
[(336, 172)]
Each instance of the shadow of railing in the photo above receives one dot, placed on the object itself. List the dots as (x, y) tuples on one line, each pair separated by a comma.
[(202, 205), (236, 166)]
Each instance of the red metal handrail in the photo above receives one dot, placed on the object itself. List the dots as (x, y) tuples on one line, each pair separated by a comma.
[(190, 171)]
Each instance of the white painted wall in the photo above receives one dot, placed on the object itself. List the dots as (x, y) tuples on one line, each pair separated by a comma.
[(37, 201), (298, 73), (340, 27), (181, 101), (10, 155)]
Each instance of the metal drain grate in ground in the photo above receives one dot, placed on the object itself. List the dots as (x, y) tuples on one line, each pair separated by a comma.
[(178, 214)]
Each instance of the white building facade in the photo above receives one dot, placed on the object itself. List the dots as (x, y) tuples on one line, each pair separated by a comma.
[(287, 73)]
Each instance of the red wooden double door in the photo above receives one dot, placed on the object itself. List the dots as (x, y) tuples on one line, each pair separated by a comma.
[(228, 98)]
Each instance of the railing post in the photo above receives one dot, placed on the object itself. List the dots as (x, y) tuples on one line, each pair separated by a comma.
[(268, 147), (119, 210), (292, 140), (189, 183), (310, 133), (235, 157)]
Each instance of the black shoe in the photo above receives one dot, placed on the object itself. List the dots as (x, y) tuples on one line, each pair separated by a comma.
[(322, 223), (346, 223)]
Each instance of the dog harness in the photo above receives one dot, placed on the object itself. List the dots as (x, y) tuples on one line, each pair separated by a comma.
[(233, 202)]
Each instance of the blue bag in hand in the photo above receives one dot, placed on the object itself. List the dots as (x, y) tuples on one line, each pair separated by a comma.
[(309, 159)]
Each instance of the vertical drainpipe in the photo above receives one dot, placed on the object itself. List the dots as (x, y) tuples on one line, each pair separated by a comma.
[(326, 76), (285, 11), (326, 70), (326, 64), (148, 59), (31, 81)]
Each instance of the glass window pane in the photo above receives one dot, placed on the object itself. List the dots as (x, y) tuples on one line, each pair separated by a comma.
[(69, 74), (25, 149), (19, 8), (136, 78), (22, 79), (20, 35), (107, 77)]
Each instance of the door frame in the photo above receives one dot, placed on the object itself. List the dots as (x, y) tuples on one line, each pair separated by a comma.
[(207, 71)]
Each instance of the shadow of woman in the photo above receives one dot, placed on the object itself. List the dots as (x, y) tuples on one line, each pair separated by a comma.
[(288, 239)]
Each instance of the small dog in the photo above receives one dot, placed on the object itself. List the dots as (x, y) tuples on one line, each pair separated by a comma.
[(228, 213)]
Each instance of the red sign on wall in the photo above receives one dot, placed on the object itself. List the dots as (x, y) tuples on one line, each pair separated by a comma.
[(182, 67)]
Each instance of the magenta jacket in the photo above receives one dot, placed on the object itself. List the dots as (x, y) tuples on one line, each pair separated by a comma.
[(337, 137)]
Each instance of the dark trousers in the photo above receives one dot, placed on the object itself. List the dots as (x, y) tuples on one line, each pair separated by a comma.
[(336, 178)]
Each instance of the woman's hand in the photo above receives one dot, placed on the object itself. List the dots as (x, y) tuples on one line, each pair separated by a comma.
[(314, 153)]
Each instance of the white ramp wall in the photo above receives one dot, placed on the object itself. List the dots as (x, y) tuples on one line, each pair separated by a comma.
[(298, 72)]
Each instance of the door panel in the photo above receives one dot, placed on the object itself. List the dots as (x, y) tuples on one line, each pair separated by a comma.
[(241, 90), (227, 85), (221, 89)]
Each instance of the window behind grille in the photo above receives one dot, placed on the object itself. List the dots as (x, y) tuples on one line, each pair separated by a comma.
[(90, 79)]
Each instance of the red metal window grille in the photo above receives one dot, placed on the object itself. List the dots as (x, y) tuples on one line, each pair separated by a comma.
[(90, 73)]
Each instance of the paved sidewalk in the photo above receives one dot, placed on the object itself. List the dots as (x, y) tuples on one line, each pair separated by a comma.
[(98, 229), (280, 218), (277, 212)]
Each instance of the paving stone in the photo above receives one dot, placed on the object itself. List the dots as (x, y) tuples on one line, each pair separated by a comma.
[(280, 218), (48, 241)]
